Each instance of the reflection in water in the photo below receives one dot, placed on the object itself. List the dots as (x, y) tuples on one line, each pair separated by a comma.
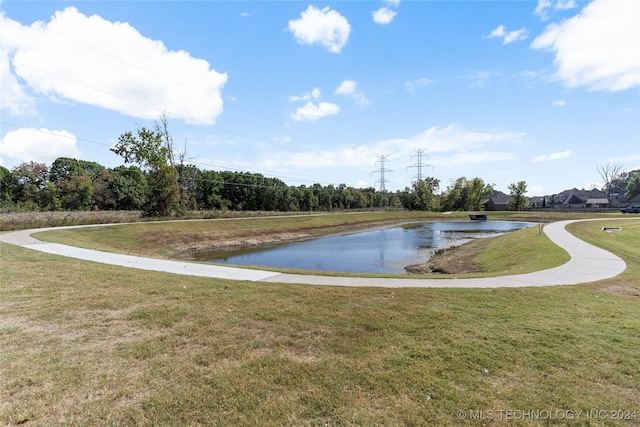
[(383, 250)]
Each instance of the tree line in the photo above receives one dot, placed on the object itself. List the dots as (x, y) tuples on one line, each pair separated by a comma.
[(70, 184), (156, 179)]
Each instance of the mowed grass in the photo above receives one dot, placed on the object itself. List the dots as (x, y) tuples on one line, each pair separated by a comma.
[(91, 344)]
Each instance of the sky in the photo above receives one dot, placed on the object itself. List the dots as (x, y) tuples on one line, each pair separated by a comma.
[(362, 93)]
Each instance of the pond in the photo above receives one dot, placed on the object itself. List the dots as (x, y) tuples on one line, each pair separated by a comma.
[(381, 250)]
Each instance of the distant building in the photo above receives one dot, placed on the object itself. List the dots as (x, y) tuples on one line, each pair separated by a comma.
[(575, 198), (498, 201)]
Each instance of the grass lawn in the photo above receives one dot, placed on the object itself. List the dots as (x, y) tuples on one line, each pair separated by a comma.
[(91, 344)]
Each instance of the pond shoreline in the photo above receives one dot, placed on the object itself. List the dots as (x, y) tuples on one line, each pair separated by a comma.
[(362, 249)]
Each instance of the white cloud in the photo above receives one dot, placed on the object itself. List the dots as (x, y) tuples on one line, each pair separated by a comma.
[(39, 145), (552, 156), (534, 190), (478, 78), (15, 99), (349, 87), (90, 60), (452, 145), (598, 48), (312, 112), (566, 4), (324, 26), (314, 94), (412, 85), (560, 103), (507, 36), (383, 15), (544, 5)]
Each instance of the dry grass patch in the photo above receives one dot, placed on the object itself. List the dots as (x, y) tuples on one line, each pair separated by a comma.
[(91, 344)]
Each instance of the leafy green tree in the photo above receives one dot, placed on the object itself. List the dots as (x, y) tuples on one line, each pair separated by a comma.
[(74, 182), (122, 188), (130, 188), (209, 191), (103, 196), (466, 194), (8, 184), (633, 184), (423, 194), (76, 193), (63, 168), (308, 200), (517, 198), (324, 197), (147, 148), (31, 190)]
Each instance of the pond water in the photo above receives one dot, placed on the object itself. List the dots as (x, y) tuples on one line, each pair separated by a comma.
[(381, 250)]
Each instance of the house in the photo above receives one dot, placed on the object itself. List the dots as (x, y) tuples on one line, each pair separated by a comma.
[(498, 201), (575, 198), (538, 202), (617, 198)]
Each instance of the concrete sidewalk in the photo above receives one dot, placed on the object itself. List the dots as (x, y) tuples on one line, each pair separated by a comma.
[(587, 264)]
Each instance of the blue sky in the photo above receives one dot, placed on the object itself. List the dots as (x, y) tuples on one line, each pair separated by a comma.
[(537, 91)]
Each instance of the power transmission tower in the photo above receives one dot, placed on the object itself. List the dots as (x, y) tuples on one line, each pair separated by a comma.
[(382, 159), (419, 165)]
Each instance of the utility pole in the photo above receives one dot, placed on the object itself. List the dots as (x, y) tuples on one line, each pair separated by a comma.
[(419, 153), (382, 159)]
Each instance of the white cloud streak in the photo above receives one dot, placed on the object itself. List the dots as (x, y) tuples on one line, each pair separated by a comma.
[(451, 145), (324, 26), (89, 60), (314, 94), (350, 88), (543, 7), (412, 85), (313, 112), (598, 48), (507, 37), (552, 156), (39, 145)]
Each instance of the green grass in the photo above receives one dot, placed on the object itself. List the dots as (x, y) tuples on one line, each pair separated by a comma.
[(92, 344)]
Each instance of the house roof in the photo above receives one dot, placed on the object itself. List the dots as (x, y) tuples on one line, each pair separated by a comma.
[(499, 198), (576, 197)]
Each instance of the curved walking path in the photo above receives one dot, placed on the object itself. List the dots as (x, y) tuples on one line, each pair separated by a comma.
[(587, 264)]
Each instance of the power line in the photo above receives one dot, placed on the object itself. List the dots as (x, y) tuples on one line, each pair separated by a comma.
[(419, 165), (382, 170)]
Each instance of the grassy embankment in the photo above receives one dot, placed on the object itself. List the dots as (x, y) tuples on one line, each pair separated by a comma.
[(176, 239), (91, 344)]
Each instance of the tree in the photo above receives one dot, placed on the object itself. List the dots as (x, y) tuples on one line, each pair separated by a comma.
[(423, 194), (633, 184), (74, 182), (148, 149), (33, 190), (517, 200), (465, 194), (8, 184), (611, 174)]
